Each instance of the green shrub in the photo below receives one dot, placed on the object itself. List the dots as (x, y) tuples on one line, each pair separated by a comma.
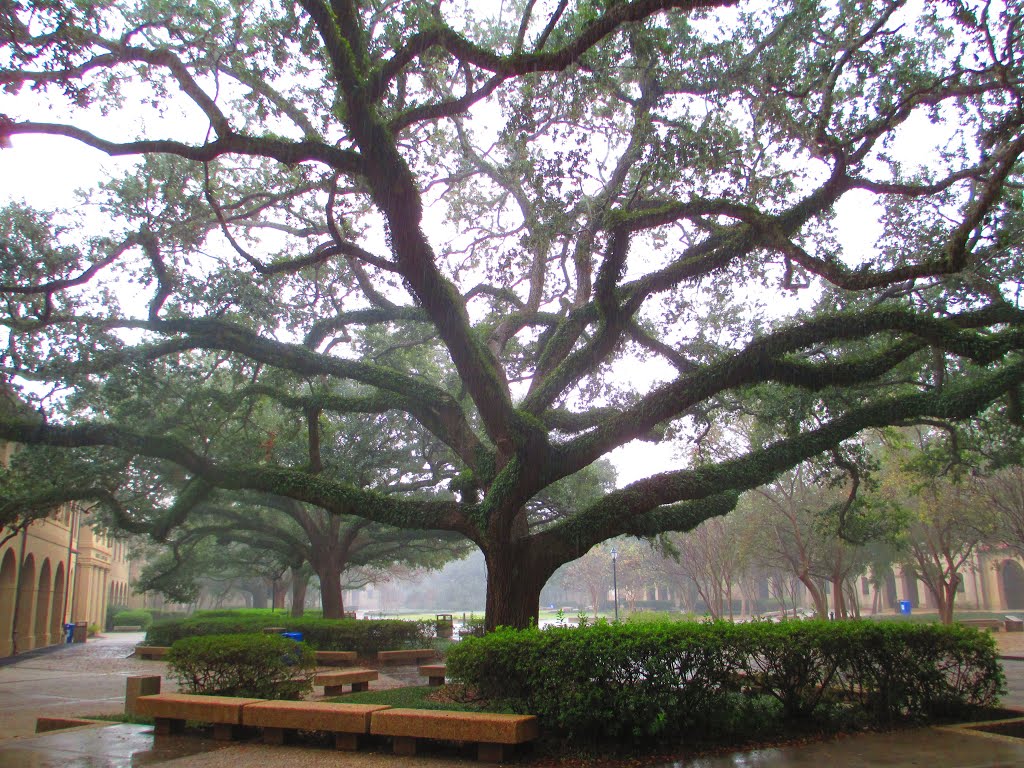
[(920, 671), (259, 666), (129, 618), (670, 680), (363, 636)]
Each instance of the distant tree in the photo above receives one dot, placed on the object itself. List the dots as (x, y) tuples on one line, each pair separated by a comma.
[(707, 558), (344, 552), (1003, 492), (591, 574), (948, 519)]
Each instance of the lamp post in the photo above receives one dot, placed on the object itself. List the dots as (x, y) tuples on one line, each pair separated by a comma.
[(615, 583)]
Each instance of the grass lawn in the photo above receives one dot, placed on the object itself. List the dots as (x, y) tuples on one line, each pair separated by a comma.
[(418, 697)]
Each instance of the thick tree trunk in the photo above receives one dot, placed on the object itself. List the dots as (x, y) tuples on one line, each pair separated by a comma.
[(820, 604), (330, 592), (838, 598), (300, 584), (259, 595), (280, 589), (513, 590), (949, 598)]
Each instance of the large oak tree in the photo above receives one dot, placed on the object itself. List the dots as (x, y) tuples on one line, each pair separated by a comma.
[(535, 234)]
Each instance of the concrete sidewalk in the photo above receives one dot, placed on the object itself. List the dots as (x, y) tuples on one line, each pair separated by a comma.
[(81, 680)]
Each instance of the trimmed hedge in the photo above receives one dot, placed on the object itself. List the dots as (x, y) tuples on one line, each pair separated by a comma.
[(259, 666), (132, 618), (722, 680), (363, 636)]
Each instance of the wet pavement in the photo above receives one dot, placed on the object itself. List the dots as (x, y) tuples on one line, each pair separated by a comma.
[(84, 680)]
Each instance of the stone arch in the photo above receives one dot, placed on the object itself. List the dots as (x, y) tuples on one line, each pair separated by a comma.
[(26, 604), (889, 594), (1011, 582), (910, 588), (40, 629), (8, 589), (57, 605)]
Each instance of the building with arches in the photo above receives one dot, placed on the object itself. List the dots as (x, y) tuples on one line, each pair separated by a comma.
[(55, 571)]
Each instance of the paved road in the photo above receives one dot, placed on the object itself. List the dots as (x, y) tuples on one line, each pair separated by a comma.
[(72, 681)]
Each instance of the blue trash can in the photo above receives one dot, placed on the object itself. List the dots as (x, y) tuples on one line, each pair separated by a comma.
[(905, 607), (69, 633), (291, 659)]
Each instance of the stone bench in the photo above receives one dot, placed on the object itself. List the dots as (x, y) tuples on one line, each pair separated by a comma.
[(406, 656), (335, 658), (334, 682), (151, 652), (170, 711), (493, 733), (127, 628), (993, 624), (279, 719), (434, 673)]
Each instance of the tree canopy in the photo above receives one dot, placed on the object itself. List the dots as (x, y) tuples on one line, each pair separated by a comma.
[(526, 234)]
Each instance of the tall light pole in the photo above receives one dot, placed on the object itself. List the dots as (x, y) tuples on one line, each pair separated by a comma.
[(615, 583)]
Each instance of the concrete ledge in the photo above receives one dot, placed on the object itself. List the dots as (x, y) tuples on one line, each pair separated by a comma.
[(151, 652), (406, 656), (136, 686), (279, 719), (334, 682), (170, 711), (492, 732), (335, 658), (991, 624), (434, 673), (46, 724)]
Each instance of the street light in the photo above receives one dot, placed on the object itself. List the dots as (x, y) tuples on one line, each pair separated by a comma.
[(615, 583)]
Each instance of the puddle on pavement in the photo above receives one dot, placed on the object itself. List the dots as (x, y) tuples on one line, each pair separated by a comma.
[(115, 746)]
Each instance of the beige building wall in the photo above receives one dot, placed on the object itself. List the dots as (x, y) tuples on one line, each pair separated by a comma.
[(55, 571), (992, 581), (91, 588), (34, 582)]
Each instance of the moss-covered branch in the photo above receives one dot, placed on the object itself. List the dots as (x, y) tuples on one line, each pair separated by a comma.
[(633, 505)]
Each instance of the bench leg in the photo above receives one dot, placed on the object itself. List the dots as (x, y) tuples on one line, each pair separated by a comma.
[(435, 680), (490, 753), (165, 726), (357, 687), (404, 745), (274, 736), (223, 731), (346, 741), (334, 690)]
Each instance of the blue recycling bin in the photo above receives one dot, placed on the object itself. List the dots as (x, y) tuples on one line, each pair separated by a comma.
[(905, 607), (69, 633), (291, 659)]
